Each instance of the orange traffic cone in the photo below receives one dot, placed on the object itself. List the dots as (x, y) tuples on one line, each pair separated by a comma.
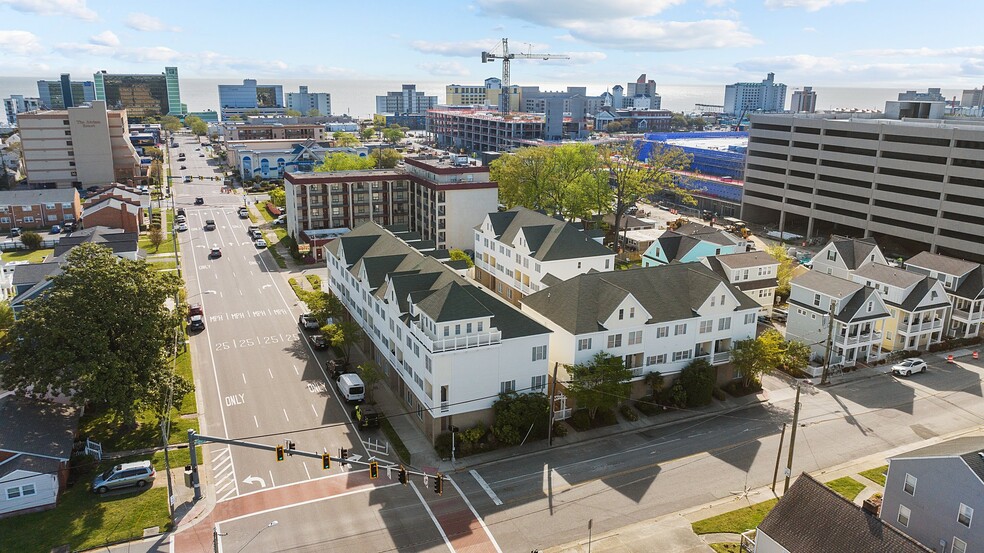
[(949, 358), (975, 355)]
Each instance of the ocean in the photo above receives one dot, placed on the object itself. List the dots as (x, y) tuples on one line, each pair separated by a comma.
[(358, 97)]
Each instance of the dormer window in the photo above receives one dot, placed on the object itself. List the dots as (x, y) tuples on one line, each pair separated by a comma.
[(933, 294), (871, 305), (831, 255)]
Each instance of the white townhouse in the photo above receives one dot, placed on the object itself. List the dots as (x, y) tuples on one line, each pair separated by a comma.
[(842, 256), (964, 285), (656, 318), (519, 252), (918, 304), (447, 347), (754, 273), (859, 316)]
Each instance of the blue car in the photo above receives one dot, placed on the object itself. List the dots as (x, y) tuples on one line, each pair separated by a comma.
[(55, 229)]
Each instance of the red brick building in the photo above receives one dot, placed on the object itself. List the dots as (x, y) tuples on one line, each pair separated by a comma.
[(38, 209)]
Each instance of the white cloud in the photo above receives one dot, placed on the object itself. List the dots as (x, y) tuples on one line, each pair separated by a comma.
[(148, 23), (809, 29), (105, 38), (558, 13), (581, 58), (808, 5), (829, 70), (444, 69), (648, 35), (970, 51), (19, 42), (463, 49), (135, 54), (71, 8)]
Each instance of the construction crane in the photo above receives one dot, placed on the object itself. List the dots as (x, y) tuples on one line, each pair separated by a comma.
[(506, 57)]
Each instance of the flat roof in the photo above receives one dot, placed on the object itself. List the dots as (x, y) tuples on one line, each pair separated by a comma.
[(720, 144)]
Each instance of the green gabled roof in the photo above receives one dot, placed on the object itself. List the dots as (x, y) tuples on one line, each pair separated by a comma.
[(378, 267), (548, 239), (667, 292), (452, 303)]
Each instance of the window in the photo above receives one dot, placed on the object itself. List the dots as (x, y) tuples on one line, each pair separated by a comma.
[(661, 359), (632, 312), (447, 330), (831, 255), (538, 383), (21, 491), (904, 513), (651, 360), (749, 318), (680, 329), (681, 355), (468, 328), (662, 332), (539, 352), (507, 386), (621, 314), (724, 324), (958, 546), (909, 486), (706, 326), (635, 337), (481, 325), (712, 301), (583, 344), (614, 340), (427, 363), (816, 299), (965, 515)]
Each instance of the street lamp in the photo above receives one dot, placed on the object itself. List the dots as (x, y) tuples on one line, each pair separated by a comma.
[(270, 525), (453, 430)]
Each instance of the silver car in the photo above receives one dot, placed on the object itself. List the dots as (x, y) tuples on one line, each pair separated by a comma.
[(137, 474)]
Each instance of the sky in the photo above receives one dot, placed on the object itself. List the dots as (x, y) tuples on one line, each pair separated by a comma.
[(852, 43)]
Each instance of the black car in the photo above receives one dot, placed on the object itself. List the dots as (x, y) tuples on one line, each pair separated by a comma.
[(366, 417), (181, 211), (196, 323), (318, 341), (209, 224), (336, 368), (215, 253), (199, 201)]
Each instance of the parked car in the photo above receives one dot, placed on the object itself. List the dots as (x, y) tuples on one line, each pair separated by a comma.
[(195, 309), (180, 218), (309, 322), (318, 341), (336, 368), (255, 234), (280, 220), (56, 229), (215, 253), (780, 315), (15, 231), (366, 417), (201, 155), (252, 228), (199, 201), (209, 224), (68, 226), (181, 227), (260, 243), (181, 211), (196, 323), (909, 366), (137, 474)]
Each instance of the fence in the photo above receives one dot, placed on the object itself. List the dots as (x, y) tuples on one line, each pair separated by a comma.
[(10, 245)]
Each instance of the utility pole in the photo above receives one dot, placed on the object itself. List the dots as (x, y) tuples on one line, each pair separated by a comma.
[(792, 440), (825, 376), (775, 474), (553, 392)]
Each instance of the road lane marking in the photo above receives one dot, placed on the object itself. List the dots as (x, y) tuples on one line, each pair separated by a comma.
[(315, 500), (432, 517), (270, 371), (485, 486), (475, 513), (315, 410), (285, 415), (295, 370), (306, 470), (244, 378), (256, 422), (272, 483)]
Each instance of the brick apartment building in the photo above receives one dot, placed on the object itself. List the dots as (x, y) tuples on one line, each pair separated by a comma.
[(38, 209)]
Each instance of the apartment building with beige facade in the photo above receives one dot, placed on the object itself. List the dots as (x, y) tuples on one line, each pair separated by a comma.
[(78, 146), (277, 131)]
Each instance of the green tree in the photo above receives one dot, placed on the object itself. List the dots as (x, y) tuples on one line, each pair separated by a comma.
[(252, 112), (367, 133), (698, 379), (385, 158), (199, 128), (524, 177), (459, 255), (339, 161), (678, 122), (156, 172), (123, 352), (292, 113), (156, 237), (344, 139), (632, 178), (655, 381), (234, 118), (785, 272), (314, 112), (619, 126), (153, 153), (370, 375), (279, 197), (332, 308), (6, 321), (394, 133), (759, 356), (166, 394), (171, 123), (602, 382), (343, 335), (31, 239), (516, 414)]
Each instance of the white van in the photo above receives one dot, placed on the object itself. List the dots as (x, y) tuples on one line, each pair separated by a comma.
[(351, 388)]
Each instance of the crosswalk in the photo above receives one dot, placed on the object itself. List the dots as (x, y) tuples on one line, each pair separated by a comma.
[(224, 473)]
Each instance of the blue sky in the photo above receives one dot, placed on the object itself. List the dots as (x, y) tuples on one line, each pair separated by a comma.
[(856, 43)]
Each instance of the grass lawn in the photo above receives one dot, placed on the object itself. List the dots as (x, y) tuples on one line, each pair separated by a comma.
[(737, 521), (876, 474), (31, 256), (167, 246), (280, 231), (847, 487), (84, 520), (726, 547), (315, 281), (164, 265), (394, 438)]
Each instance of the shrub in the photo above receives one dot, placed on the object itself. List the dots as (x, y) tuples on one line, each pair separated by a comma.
[(737, 388), (648, 405), (442, 445), (719, 394), (580, 420), (604, 417), (31, 239), (516, 413), (629, 413), (559, 429), (678, 395), (697, 379), (474, 434)]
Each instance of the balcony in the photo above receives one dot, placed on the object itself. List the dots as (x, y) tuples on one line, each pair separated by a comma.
[(452, 343), (967, 316), (719, 358), (842, 340), (907, 328)]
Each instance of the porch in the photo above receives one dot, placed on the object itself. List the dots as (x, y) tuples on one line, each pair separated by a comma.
[(715, 352)]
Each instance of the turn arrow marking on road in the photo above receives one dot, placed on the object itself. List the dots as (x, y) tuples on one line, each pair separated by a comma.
[(253, 480)]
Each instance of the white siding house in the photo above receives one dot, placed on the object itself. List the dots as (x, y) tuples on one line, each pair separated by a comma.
[(754, 273), (447, 347), (964, 285), (842, 256), (918, 304)]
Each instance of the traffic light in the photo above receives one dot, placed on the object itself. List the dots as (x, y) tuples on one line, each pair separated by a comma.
[(439, 484), (325, 461), (343, 454), (373, 470), (280, 453), (199, 177), (404, 477), (290, 447)]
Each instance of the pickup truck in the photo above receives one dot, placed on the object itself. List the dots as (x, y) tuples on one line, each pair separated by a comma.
[(366, 417)]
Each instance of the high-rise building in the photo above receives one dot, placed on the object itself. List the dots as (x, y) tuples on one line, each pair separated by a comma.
[(973, 98), (141, 96), (931, 95), (767, 95), (17, 103), (804, 101), (487, 94), (918, 182), (407, 100), (80, 146), (304, 101), (251, 98), (53, 94)]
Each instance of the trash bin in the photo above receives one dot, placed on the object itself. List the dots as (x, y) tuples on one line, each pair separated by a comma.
[(187, 475)]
